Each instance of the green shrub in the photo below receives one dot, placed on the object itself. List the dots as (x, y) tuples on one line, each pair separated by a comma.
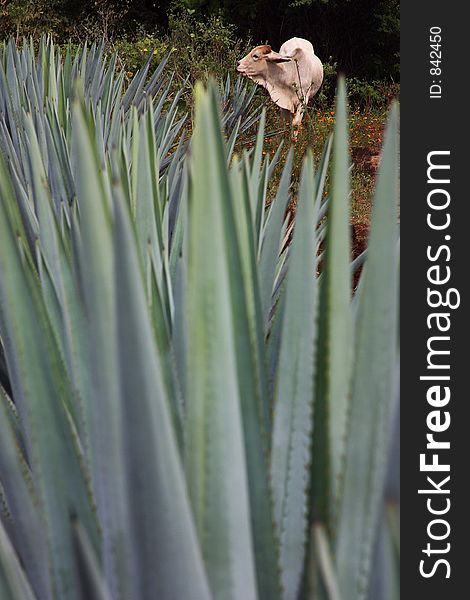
[(203, 46), (370, 94), (361, 93), (186, 409), (133, 51), (31, 17), (325, 96)]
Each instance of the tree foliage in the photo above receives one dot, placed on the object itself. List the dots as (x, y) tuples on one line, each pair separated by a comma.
[(361, 36)]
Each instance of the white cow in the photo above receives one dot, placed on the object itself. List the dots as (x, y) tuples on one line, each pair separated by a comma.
[(292, 76)]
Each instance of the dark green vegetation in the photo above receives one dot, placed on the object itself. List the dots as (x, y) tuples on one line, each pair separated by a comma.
[(187, 410), (361, 37)]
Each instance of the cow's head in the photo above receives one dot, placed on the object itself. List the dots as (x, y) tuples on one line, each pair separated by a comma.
[(255, 64)]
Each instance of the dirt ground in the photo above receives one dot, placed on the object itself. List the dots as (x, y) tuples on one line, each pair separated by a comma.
[(365, 161)]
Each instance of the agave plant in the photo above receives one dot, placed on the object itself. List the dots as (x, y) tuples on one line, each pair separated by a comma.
[(190, 405)]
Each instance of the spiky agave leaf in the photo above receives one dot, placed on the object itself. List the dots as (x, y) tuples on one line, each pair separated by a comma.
[(215, 458), (13, 582), (28, 536), (165, 551), (40, 384), (110, 288), (293, 401), (373, 383), (334, 348)]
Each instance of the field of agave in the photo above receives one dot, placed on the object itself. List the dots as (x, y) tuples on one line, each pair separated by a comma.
[(193, 405)]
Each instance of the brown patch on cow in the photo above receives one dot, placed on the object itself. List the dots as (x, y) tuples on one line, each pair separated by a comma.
[(264, 49)]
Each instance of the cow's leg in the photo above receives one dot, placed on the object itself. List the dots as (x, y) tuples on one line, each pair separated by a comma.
[(299, 113)]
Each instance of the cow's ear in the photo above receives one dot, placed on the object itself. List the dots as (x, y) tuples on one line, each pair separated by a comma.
[(294, 54), (276, 57)]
